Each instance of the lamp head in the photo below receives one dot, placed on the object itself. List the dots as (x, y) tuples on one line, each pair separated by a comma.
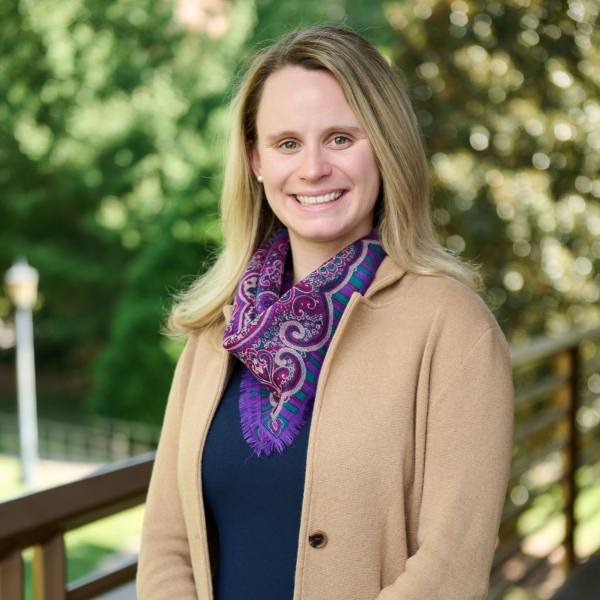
[(21, 284)]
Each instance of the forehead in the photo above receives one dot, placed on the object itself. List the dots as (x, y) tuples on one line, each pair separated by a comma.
[(307, 96)]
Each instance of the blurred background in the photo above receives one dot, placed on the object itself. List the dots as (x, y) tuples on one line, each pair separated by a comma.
[(112, 117)]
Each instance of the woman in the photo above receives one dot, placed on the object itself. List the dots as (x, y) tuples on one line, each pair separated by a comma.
[(344, 431)]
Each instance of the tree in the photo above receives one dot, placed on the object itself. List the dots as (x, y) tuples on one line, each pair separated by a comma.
[(508, 97), (133, 372), (110, 147)]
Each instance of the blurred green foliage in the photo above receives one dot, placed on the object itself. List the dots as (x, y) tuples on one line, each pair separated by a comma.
[(111, 121), (508, 97), (109, 169)]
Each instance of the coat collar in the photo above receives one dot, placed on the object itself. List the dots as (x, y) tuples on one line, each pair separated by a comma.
[(389, 272)]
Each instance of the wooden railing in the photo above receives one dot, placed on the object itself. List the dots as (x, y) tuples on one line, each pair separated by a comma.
[(41, 519), (555, 380), (557, 389)]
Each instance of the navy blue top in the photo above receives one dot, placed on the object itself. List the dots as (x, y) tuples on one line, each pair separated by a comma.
[(255, 504)]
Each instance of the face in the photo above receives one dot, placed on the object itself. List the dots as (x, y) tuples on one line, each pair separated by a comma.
[(319, 170)]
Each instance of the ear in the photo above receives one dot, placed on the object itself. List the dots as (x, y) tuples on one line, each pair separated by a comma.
[(254, 157)]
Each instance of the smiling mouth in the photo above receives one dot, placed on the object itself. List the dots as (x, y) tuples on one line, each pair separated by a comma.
[(310, 200)]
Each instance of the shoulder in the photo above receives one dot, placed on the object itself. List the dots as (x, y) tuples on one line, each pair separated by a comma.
[(441, 334), (437, 323), (431, 301), (450, 302), (455, 314), (463, 337)]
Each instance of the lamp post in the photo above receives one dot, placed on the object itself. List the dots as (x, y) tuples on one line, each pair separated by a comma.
[(21, 284)]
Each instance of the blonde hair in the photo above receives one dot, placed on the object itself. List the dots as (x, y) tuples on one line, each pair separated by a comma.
[(376, 96)]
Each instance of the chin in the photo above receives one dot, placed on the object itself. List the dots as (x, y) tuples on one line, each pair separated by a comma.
[(337, 239)]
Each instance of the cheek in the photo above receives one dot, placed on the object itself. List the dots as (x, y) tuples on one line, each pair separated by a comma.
[(277, 168), (275, 202), (365, 163), (372, 179)]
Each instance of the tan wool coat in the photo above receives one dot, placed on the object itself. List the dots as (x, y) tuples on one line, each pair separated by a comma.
[(408, 455)]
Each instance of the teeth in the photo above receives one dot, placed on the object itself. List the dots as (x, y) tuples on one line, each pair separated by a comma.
[(308, 200)]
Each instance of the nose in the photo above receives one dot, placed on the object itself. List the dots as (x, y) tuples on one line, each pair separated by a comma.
[(314, 163)]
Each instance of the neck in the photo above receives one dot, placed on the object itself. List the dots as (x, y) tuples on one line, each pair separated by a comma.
[(307, 258)]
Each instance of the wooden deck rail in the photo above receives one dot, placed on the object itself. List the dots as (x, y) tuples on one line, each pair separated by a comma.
[(41, 519), (551, 387)]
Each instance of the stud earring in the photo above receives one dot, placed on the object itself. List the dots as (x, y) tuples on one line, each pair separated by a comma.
[(259, 179)]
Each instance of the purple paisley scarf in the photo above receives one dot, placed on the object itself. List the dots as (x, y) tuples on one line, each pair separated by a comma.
[(282, 333)]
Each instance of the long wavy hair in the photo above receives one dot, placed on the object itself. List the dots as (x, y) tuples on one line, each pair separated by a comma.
[(380, 103)]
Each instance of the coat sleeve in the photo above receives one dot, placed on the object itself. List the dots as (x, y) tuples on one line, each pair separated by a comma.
[(465, 478), (164, 569)]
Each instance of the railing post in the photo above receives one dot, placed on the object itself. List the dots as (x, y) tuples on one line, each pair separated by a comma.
[(49, 569), (573, 440), (11, 576), (567, 364)]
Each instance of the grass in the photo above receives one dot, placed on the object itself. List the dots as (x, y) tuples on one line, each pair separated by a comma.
[(103, 542), (97, 545), (49, 473)]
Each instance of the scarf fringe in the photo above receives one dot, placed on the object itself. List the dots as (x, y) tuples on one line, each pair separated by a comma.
[(250, 409)]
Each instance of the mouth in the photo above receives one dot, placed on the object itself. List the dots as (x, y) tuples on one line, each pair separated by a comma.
[(312, 200)]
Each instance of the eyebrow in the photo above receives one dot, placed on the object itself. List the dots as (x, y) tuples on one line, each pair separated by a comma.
[(357, 131)]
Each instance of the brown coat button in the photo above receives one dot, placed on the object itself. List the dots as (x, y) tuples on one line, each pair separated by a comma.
[(317, 539)]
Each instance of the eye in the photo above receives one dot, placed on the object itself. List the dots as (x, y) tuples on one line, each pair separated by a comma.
[(288, 145), (340, 140)]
